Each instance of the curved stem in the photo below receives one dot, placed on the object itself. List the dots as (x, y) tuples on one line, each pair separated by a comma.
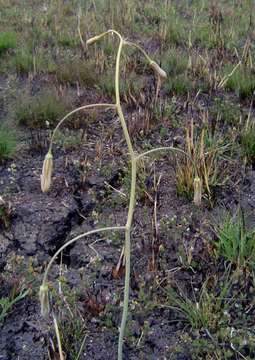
[(85, 107), (168, 148), (130, 43), (75, 239)]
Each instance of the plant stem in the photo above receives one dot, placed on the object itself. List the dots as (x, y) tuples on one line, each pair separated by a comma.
[(85, 107), (130, 43), (168, 148), (127, 257), (110, 228), (131, 203)]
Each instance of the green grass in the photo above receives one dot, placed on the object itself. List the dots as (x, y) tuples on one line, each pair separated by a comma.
[(7, 144), (76, 71), (7, 303), (24, 62), (248, 143), (226, 112), (7, 41), (42, 110), (242, 82), (236, 243), (205, 310)]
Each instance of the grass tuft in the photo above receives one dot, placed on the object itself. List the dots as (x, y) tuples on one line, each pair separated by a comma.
[(42, 111), (236, 243), (7, 41), (7, 144)]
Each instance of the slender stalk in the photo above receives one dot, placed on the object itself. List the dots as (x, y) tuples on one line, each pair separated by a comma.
[(58, 338), (118, 106), (127, 256), (110, 228), (131, 203), (85, 107), (168, 148), (130, 43)]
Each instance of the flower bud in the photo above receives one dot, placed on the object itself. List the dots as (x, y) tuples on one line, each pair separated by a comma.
[(160, 72), (93, 39), (47, 172), (44, 300), (197, 191)]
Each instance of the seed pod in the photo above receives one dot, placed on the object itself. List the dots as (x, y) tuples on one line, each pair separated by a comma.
[(197, 191), (47, 172), (160, 72), (44, 300)]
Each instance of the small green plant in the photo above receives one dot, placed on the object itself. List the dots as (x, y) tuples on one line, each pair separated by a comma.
[(7, 144), (205, 310), (242, 81), (248, 142), (226, 112), (7, 303), (236, 243), (7, 41)]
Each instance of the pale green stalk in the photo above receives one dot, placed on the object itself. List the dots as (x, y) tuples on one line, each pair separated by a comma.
[(168, 148), (85, 107), (110, 228)]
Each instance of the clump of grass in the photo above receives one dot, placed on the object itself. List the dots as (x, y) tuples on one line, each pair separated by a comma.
[(26, 61), (204, 312), (76, 71), (242, 81), (236, 243), (7, 144), (7, 41), (23, 61), (226, 112), (174, 62), (203, 158), (179, 85), (176, 65), (42, 110), (248, 142)]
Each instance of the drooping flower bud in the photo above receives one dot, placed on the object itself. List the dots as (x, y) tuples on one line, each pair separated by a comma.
[(47, 172), (93, 40), (197, 191), (158, 70), (44, 300)]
